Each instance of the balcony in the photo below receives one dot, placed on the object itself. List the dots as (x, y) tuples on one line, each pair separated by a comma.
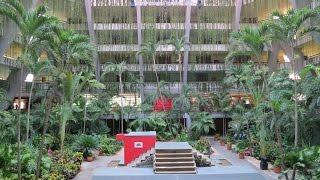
[(174, 67), (161, 26), (164, 48), (315, 60), (10, 62), (173, 87), (103, 3)]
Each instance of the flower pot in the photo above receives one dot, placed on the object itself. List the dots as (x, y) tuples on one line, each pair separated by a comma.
[(277, 169), (222, 143), (89, 159), (263, 164), (229, 146), (241, 155)]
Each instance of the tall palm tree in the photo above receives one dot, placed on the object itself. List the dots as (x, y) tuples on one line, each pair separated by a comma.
[(178, 44), (149, 49), (36, 68), (32, 25), (68, 50), (285, 30), (119, 69)]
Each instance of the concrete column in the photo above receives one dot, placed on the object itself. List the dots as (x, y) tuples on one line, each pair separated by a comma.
[(90, 22), (237, 15), (140, 60), (187, 43)]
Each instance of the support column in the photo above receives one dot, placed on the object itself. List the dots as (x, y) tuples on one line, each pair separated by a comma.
[(237, 15), (140, 60), (187, 43), (93, 41)]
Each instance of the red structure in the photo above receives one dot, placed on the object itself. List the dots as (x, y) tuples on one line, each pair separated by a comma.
[(162, 105), (136, 143)]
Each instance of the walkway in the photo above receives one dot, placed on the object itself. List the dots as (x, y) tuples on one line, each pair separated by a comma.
[(87, 168), (222, 153)]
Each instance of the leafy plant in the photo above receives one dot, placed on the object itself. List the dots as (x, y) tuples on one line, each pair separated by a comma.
[(202, 123), (202, 145)]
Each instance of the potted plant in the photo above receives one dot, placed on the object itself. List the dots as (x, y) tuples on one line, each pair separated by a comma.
[(222, 141), (263, 156), (277, 166), (216, 137), (88, 155), (85, 144), (229, 143), (241, 146)]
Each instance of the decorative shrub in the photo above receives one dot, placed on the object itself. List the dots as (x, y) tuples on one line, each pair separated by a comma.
[(109, 146), (202, 145)]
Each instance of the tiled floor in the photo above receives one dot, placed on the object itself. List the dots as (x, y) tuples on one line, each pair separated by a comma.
[(222, 153)]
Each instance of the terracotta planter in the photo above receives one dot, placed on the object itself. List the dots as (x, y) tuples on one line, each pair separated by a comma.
[(241, 155), (89, 159), (277, 169), (229, 146), (222, 143)]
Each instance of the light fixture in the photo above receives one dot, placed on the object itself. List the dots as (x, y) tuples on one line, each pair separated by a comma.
[(276, 17), (286, 58), (29, 78)]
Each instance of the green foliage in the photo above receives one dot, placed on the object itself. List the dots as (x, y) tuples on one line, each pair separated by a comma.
[(109, 146), (203, 145), (202, 123), (242, 145), (65, 165), (86, 142)]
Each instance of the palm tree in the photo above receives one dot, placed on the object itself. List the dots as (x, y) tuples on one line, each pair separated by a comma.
[(149, 49), (33, 25), (248, 41), (178, 44), (119, 69), (285, 29), (68, 50), (35, 68)]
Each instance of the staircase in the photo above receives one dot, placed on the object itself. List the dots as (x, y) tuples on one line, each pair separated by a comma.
[(174, 158), (141, 158)]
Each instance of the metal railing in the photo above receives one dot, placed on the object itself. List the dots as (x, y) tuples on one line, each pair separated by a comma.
[(11, 62), (174, 67), (173, 87), (315, 60)]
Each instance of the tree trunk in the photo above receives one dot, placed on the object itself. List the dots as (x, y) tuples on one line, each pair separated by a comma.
[(85, 116), (19, 125), (44, 131), (29, 109)]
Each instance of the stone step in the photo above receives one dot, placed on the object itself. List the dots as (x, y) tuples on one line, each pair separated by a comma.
[(175, 172), (175, 168), (174, 154), (173, 151), (166, 164), (174, 159)]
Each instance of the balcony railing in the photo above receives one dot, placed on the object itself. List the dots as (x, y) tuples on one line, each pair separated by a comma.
[(315, 60), (174, 67), (99, 3), (11, 62), (179, 26), (165, 48), (173, 87)]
